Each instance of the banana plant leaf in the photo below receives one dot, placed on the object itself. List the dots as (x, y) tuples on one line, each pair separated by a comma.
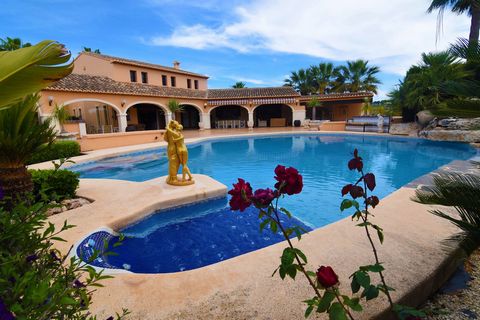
[(28, 70)]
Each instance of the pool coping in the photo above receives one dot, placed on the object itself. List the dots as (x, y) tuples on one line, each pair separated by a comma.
[(142, 293)]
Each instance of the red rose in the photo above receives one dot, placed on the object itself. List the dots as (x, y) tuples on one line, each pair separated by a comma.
[(327, 277), (289, 180), (263, 197), (241, 195), (356, 162), (373, 201)]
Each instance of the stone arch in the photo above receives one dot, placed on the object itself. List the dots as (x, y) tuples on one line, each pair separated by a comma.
[(221, 117), (191, 117), (99, 116), (281, 113), (146, 115)]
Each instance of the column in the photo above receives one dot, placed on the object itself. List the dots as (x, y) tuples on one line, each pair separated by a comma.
[(299, 115), (250, 120), (168, 117), (206, 120), (314, 113), (122, 122)]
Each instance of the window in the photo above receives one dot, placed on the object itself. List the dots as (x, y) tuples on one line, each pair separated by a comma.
[(133, 76), (189, 83), (144, 77), (173, 81), (164, 80), (195, 83)]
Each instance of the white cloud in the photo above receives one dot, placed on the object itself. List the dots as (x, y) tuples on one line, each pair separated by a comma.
[(390, 33)]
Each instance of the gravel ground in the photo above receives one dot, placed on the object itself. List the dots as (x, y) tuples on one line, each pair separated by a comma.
[(463, 304)]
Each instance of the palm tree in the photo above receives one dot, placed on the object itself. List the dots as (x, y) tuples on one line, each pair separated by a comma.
[(28, 70), (86, 49), (239, 85), (9, 44), (21, 135), (323, 76), (174, 106), (356, 76), (460, 193), (471, 7), (301, 81), (61, 115)]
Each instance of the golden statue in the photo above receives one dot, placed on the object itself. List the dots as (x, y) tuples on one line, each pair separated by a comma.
[(177, 154)]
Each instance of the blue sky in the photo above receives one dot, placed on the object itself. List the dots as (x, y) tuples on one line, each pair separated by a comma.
[(258, 42)]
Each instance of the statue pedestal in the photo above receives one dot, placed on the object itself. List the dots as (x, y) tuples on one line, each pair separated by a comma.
[(180, 181)]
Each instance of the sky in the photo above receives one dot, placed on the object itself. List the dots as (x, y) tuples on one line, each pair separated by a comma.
[(258, 42)]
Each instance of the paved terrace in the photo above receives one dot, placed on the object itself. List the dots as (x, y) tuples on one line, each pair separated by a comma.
[(416, 261)]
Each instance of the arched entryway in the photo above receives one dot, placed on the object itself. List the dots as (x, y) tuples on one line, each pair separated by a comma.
[(229, 116), (98, 116), (189, 117), (272, 115), (145, 116)]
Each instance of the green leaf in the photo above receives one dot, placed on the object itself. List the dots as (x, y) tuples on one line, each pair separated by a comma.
[(300, 254), (273, 226), (336, 312), (370, 293), (353, 303), (346, 203), (28, 70), (308, 311), (68, 300), (292, 271), (373, 268), (355, 285), (362, 278), (286, 212), (263, 224), (288, 257), (311, 274), (324, 303)]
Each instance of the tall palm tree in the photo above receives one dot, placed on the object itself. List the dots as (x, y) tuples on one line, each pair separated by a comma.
[(60, 113), (471, 7), (21, 135), (9, 44), (239, 85), (356, 76), (323, 76), (301, 81), (28, 70)]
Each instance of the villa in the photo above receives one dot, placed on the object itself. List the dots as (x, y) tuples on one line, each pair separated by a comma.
[(114, 101)]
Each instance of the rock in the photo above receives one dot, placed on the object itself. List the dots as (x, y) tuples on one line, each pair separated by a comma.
[(54, 210), (410, 129), (472, 136), (460, 124)]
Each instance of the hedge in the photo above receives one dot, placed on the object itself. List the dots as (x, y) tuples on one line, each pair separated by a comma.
[(57, 150), (55, 184)]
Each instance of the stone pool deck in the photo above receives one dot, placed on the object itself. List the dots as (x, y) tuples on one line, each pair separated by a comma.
[(417, 261)]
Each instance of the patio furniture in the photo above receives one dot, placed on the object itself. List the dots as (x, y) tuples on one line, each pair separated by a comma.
[(367, 124), (262, 123), (278, 122)]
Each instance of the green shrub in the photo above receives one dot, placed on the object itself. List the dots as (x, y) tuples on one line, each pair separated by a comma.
[(38, 281), (57, 150), (55, 184)]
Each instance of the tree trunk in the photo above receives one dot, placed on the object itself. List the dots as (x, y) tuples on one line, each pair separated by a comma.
[(15, 182), (475, 25)]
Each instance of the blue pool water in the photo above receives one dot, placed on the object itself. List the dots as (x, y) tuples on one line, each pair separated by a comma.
[(186, 238), (321, 159)]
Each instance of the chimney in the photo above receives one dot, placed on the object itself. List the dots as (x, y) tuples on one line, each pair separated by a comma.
[(176, 64)]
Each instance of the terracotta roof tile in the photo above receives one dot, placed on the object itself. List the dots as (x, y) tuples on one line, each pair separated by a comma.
[(338, 96), (142, 64), (87, 83), (252, 93)]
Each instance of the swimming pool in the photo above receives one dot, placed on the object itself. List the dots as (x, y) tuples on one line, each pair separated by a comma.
[(321, 159)]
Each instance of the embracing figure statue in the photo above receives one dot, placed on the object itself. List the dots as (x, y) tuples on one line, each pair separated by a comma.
[(177, 154)]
